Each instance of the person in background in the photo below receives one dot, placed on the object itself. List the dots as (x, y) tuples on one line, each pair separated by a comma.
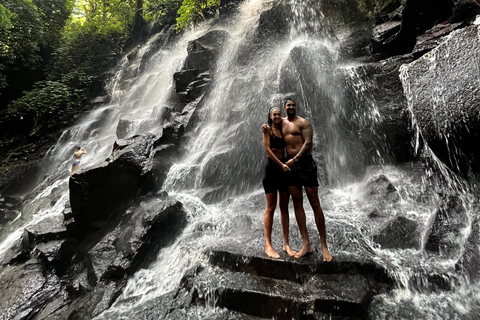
[(77, 155), (274, 182)]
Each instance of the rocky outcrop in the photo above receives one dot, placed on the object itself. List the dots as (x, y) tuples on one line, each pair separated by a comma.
[(443, 95), (192, 81), (254, 287), (400, 233), (450, 220)]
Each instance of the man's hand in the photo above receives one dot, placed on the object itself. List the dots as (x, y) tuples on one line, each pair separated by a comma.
[(290, 163), (265, 128)]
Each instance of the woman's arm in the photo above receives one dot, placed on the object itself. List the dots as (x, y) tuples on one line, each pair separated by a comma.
[(270, 153)]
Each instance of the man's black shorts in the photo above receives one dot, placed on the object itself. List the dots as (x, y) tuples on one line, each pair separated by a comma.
[(304, 173)]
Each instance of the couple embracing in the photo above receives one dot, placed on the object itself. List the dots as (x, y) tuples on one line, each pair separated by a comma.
[(294, 136)]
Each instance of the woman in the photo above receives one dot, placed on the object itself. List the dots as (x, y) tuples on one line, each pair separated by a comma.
[(77, 155), (274, 180)]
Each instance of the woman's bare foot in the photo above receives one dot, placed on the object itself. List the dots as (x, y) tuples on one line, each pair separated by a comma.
[(306, 249), (271, 253), (289, 250), (327, 257)]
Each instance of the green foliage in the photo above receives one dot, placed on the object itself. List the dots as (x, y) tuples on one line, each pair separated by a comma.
[(192, 10), (20, 40), (46, 99), (161, 9)]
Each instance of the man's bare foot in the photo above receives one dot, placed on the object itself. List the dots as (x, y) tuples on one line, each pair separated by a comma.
[(327, 257), (306, 249), (271, 253), (289, 250)]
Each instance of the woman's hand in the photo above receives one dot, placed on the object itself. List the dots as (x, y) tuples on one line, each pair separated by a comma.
[(286, 168), (265, 128)]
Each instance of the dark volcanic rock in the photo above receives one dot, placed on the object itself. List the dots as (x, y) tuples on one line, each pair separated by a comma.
[(401, 233), (106, 190), (443, 91), (433, 37), (203, 52), (50, 228), (153, 224), (381, 190), (465, 10), (25, 289), (451, 219), (401, 22), (469, 263)]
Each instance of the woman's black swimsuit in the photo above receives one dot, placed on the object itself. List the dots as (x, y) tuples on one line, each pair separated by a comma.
[(274, 178)]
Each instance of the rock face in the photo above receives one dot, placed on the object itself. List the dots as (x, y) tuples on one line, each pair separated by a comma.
[(99, 193), (253, 287), (401, 233), (450, 221), (443, 95)]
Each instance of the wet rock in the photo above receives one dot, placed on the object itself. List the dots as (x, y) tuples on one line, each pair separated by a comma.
[(433, 37), (388, 136), (57, 254), (50, 228), (444, 95), (465, 10), (273, 22), (203, 52), (381, 190), (384, 34), (25, 289), (104, 191), (400, 22), (133, 244), (469, 263), (183, 78), (446, 232), (401, 233)]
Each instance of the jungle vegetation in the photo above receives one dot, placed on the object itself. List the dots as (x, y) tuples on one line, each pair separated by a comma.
[(54, 53)]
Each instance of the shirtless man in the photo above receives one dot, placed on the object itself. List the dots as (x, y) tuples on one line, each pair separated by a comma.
[(77, 155), (298, 135)]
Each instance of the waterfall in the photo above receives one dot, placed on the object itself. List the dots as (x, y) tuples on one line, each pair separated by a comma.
[(217, 175)]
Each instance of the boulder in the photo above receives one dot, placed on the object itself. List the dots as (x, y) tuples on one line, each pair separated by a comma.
[(400, 22), (133, 244), (390, 133), (203, 52), (445, 235), (105, 191), (381, 190), (469, 262), (400, 233), (433, 37), (443, 95), (50, 228), (25, 289)]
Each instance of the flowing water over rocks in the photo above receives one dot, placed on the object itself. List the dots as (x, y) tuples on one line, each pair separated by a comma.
[(164, 218)]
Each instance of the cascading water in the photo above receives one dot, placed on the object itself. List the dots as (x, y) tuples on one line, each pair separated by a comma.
[(217, 177)]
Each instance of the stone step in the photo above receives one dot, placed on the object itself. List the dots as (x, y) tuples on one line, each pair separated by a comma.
[(289, 268), (338, 296)]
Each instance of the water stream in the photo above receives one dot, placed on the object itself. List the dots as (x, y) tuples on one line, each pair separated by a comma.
[(222, 161)]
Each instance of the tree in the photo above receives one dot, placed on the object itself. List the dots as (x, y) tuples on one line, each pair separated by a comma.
[(192, 10)]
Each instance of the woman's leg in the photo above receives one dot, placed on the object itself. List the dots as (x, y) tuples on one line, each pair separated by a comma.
[(268, 224), (285, 220)]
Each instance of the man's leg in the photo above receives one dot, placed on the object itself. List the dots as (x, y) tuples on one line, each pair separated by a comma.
[(297, 198), (268, 224), (284, 218), (312, 194)]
